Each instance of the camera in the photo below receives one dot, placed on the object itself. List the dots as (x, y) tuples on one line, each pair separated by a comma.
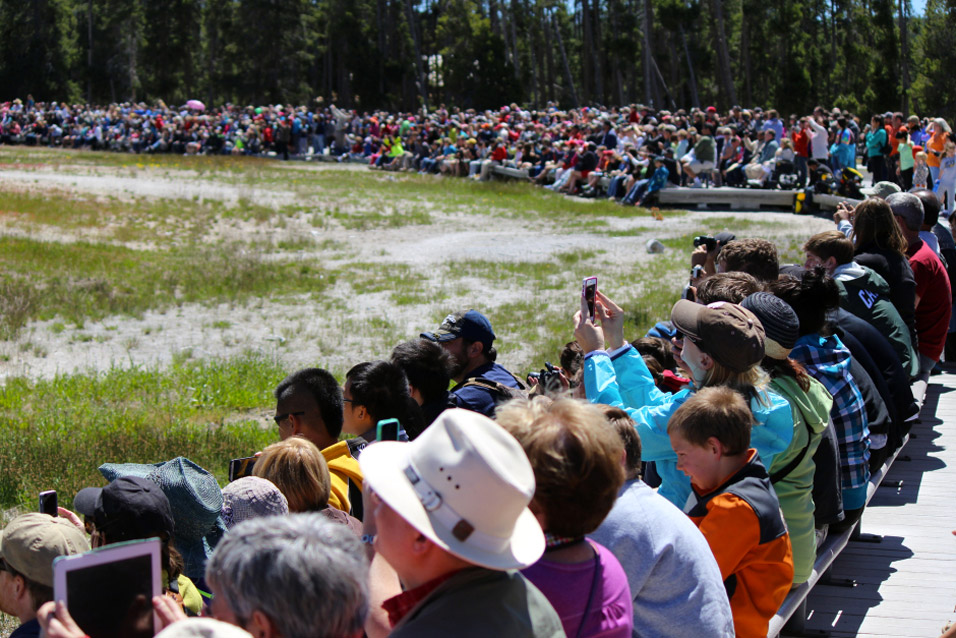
[(549, 378), (704, 240)]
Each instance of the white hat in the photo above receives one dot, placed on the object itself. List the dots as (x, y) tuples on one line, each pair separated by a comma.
[(202, 628), (465, 483)]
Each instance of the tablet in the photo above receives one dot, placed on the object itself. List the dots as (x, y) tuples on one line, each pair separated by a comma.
[(109, 591)]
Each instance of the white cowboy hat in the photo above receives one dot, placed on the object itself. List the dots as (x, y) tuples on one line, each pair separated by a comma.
[(465, 483)]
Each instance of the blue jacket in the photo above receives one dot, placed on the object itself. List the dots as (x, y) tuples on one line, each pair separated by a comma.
[(477, 398), (658, 180), (625, 382)]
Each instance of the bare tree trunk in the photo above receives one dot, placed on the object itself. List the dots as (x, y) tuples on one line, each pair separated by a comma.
[(588, 50), (549, 57), (89, 52), (904, 61), (613, 9), (650, 89), (694, 98), (380, 28), (493, 17), (564, 59), (531, 36), (598, 52), (745, 53), (516, 61), (723, 55), (422, 89)]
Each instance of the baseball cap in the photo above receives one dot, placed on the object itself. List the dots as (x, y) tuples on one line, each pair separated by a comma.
[(130, 507), (472, 326), (730, 334), (30, 542)]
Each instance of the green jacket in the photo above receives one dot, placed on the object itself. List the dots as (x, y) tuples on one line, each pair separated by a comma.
[(811, 411), (480, 603), (867, 295)]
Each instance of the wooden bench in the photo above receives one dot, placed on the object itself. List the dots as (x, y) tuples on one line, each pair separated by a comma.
[(514, 173), (791, 617)]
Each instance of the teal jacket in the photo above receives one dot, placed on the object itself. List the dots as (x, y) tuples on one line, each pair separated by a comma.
[(811, 412), (626, 383)]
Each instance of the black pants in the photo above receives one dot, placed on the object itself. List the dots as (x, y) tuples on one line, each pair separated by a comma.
[(877, 167)]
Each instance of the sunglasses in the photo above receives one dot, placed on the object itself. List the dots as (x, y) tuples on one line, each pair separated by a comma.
[(279, 418), (680, 336)]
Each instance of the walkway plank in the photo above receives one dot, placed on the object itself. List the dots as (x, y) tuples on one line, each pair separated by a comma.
[(907, 583)]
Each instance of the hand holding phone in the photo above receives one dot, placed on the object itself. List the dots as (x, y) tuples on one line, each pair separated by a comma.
[(239, 468)]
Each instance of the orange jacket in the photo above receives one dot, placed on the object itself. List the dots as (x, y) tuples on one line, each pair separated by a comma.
[(741, 521)]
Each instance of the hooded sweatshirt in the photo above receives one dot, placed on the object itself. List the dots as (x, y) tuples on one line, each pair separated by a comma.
[(828, 361), (625, 382), (811, 411), (867, 295)]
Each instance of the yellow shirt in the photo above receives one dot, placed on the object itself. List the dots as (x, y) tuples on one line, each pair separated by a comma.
[(342, 469)]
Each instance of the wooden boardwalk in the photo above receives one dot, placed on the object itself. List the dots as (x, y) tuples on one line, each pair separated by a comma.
[(906, 584)]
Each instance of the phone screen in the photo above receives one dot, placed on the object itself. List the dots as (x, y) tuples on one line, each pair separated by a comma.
[(589, 290), (239, 468), (48, 502), (387, 430)]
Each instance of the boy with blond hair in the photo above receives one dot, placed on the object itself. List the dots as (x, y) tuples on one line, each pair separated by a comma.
[(734, 505)]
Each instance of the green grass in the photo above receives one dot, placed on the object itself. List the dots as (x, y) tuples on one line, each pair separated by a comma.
[(57, 432)]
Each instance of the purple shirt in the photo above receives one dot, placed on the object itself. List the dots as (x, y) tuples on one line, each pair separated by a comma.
[(568, 587)]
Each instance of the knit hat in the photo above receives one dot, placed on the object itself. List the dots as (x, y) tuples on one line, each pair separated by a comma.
[(780, 323), (252, 497)]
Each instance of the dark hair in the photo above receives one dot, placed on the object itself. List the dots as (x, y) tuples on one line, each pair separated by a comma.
[(323, 387), (787, 368), (626, 429), (831, 243), (572, 358), (811, 297), (757, 257), (874, 223), (381, 387), (733, 287), (930, 206), (658, 348), (426, 365)]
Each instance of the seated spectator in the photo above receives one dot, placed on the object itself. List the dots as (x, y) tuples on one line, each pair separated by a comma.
[(377, 390), (722, 344), (862, 291), (670, 569), (132, 508), (309, 405), (575, 456), (703, 157), (793, 469), (296, 576), (934, 296), (734, 505), (28, 545), (826, 359), (252, 497), (427, 367), (450, 511)]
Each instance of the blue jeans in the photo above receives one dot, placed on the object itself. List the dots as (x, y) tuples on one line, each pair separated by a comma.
[(615, 184), (636, 191)]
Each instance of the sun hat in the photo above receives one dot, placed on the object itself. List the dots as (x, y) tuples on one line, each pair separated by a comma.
[(779, 320), (196, 502), (202, 628), (472, 326), (885, 189), (251, 497), (128, 508), (30, 542), (730, 334), (465, 483)]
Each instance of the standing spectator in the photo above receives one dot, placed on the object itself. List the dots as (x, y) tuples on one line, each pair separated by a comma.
[(876, 145)]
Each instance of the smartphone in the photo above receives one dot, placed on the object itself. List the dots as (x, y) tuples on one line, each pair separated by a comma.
[(589, 292), (48, 502), (239, 468), (387, 430)]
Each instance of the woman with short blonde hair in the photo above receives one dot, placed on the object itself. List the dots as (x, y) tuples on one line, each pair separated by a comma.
[(298, 469)]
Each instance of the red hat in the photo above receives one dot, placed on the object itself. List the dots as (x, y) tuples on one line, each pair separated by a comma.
[(711, 109)]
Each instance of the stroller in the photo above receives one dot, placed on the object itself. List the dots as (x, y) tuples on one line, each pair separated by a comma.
[(784, 176), (851, 181)]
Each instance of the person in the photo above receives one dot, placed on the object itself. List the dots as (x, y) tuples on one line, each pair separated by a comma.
[(879, 245), (28, 545), (309, 405), (920, 169), (251, 497), (946, 191), (904, 149), (296, 576), (297, 468), (826, 359), (373, 391), (862, 292), (755, 256), (577, 469), (427, 367), (644, 188), (792, 472), (934, 297), (480, 382), (703, 157), (721, 344), (450, 514), (670, 569), (132, 508), (734, 505), (936, 146), (876, 144)]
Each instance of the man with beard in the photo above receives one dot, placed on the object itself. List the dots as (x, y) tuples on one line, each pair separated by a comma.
[(481, 383)]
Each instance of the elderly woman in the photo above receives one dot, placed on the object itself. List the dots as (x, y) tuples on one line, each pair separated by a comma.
[(720, 344), (576, 458)]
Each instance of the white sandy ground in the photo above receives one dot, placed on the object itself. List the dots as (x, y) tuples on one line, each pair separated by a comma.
[(343, 327)]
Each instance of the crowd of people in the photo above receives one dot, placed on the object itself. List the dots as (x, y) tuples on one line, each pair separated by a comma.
[(679, 484), (624, 153)]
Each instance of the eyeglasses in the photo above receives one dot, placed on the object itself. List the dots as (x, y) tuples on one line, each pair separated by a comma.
[(279, 418)]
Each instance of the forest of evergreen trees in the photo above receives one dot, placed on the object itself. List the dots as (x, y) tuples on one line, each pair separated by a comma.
[(863, 55)]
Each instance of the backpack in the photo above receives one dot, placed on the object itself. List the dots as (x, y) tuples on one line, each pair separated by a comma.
[(501, 392)]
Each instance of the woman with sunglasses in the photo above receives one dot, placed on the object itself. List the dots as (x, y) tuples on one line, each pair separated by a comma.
[(717, 345)]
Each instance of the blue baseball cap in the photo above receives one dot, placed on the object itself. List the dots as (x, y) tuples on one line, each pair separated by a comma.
[(471, 326)]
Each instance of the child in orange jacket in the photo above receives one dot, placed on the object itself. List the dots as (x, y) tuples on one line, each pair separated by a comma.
[(734, 505)]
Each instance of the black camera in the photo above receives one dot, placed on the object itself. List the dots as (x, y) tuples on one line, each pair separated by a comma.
[(549, 379), (704, 240)]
